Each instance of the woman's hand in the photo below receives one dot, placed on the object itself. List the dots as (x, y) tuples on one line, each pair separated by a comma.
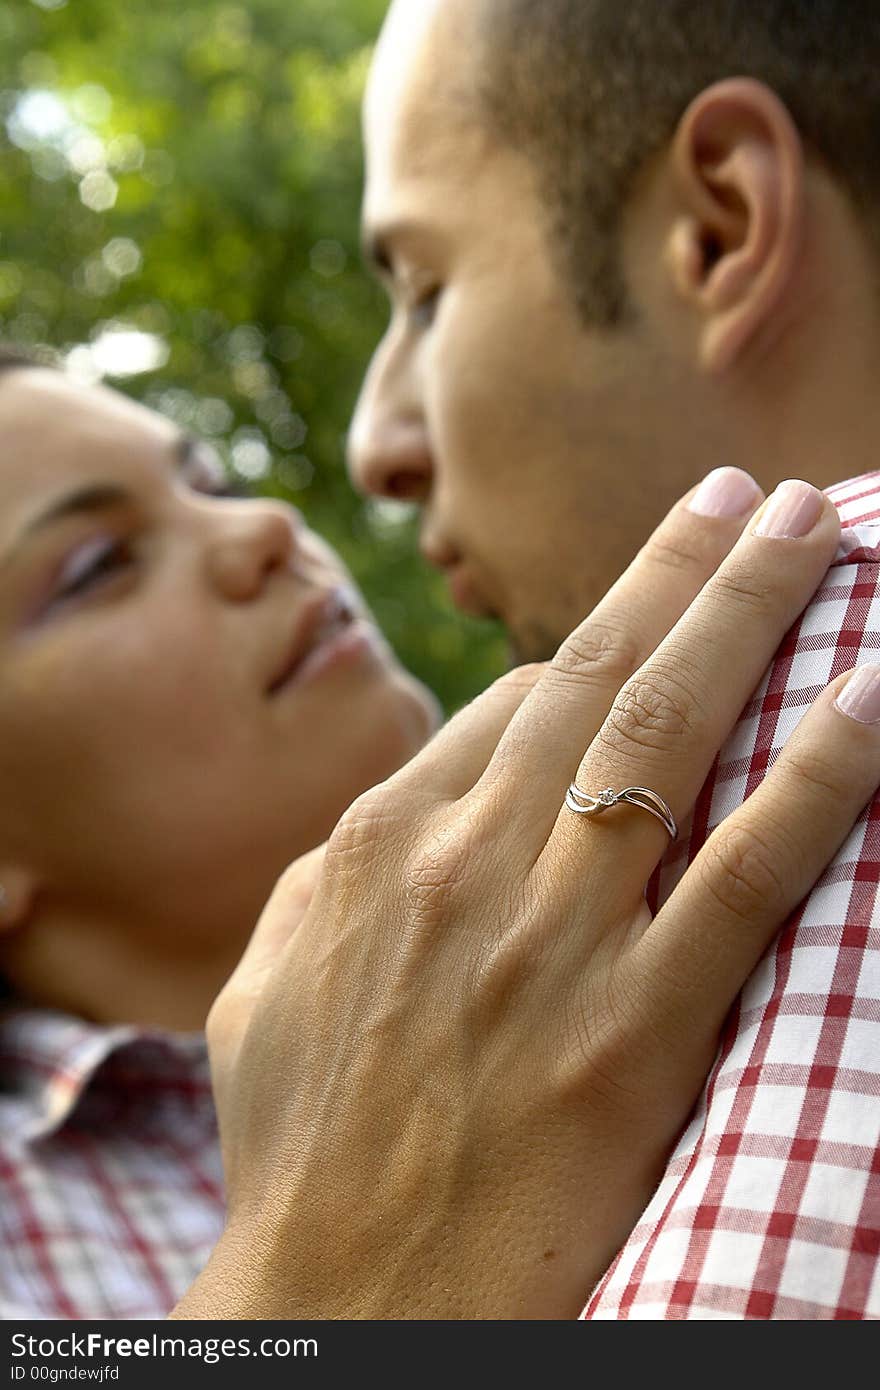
[(455, 1090)]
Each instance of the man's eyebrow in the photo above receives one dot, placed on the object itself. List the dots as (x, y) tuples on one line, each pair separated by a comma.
[(89, 499)]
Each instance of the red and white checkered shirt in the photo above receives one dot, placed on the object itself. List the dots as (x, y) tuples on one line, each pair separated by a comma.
[(770, 1204), (111, 1192)]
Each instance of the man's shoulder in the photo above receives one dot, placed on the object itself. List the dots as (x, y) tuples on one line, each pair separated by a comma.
[(767, 1207), (858, 504), (857, 499), (838, 629)]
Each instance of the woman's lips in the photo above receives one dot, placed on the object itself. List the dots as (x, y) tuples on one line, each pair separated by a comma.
[(351, 645), (326, 619)]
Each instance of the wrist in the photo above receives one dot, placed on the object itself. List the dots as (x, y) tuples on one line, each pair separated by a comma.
[(255, 1276), (237, 1284)]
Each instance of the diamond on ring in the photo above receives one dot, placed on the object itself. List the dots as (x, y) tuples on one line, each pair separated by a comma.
[(585, 805)]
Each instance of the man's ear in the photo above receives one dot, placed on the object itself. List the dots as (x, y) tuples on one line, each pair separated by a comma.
[(735, 242), (18, 893)]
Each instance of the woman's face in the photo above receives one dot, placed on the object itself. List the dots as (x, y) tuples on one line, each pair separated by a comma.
[(190, 690)]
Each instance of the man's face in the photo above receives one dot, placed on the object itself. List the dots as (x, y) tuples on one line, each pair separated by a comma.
[(540, 451), (190, 690)]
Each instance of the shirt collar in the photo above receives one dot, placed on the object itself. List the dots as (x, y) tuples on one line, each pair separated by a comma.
[(48, 1061), (858, 503)]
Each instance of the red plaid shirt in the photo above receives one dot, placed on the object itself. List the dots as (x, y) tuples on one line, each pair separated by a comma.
[(770, 1205), (112, 1195)]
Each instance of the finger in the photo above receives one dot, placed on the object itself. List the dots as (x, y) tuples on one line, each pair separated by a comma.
[(239, 998), (236, 1003), (671, 568), (457, 755), (670, 719), (763, 859), (623, 629), (278, 921)]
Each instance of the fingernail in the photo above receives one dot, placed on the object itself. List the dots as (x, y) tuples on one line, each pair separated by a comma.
[(860, 697), (725, 492), (792, 511)]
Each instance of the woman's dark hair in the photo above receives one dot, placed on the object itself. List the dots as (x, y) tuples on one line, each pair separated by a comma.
[(12, 357)]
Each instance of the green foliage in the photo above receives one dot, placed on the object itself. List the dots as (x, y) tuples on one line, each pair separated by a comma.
[(191, 170)]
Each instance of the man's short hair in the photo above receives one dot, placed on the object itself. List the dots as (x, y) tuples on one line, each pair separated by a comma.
[(591, 89)]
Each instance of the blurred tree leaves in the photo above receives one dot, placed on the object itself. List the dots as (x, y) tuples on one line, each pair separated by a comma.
[(189, 171)]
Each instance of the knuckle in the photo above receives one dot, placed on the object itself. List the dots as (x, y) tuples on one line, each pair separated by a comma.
[(740, 872), (288, 884), (520, 680), (598, 650), (597, 1054), (650, 711), (744, 593), (221, 1019), (214, 1021), (814, 771), (434, 875), (504, 961), (368, 820), (673, 554)]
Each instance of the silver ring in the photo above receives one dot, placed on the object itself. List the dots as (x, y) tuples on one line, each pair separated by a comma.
[(643, 797)]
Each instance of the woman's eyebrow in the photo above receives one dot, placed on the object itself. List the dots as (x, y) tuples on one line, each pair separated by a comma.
[(90, 498), (93, 497)]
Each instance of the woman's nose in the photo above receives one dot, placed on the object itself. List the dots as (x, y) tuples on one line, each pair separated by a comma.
[(253, 540)]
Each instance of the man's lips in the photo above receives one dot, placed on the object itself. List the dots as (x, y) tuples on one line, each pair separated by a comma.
[(466, 595), (323, 618)]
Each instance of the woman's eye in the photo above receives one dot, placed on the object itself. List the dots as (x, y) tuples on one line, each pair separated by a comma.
[(92, 564), (230, 487), (214, 481)]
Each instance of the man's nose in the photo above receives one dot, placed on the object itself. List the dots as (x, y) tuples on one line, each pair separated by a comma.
[(389, 452), (254, 540)]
